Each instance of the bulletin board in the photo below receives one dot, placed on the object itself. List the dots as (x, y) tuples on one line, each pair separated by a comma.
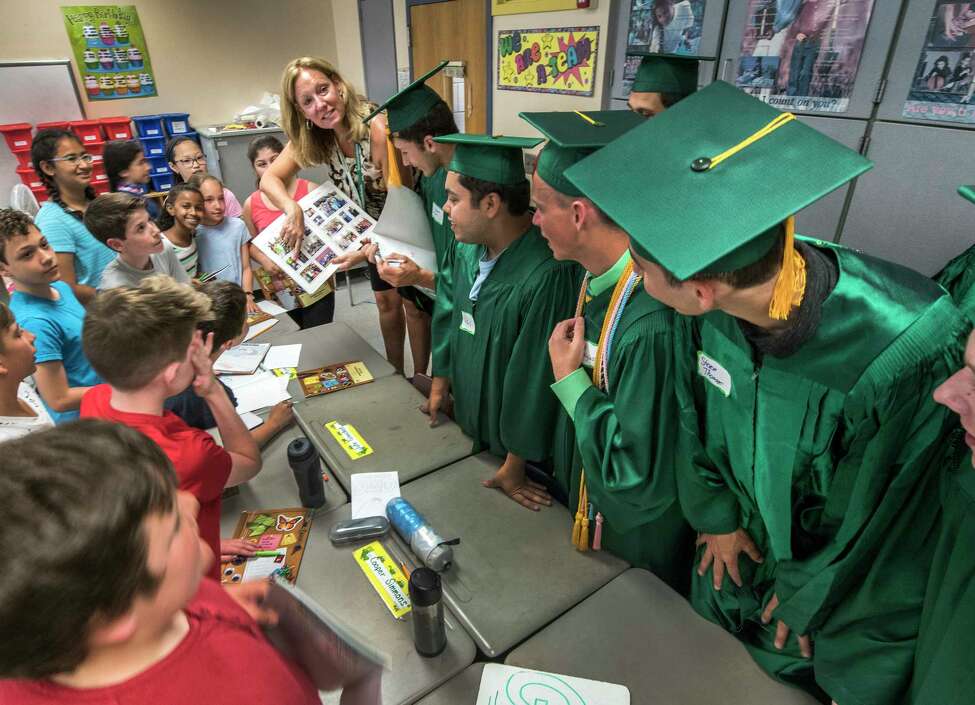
[(552, 60)]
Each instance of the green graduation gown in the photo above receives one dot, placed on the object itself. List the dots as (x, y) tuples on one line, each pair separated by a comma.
[(943, 672), (625, 437), (824, 457), (434, 193), (958, 277), (500, 374)]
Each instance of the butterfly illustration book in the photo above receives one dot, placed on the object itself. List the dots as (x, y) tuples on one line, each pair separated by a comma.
[(279, 537)]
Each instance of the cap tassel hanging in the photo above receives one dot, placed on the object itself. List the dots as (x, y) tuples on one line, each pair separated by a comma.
[(791, 283), (580, 528), (393, 177)]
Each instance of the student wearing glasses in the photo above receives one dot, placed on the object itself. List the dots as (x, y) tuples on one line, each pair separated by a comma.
[(64, 168), (186, 159)]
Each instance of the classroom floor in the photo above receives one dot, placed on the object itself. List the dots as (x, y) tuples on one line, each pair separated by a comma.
[(363, 317)]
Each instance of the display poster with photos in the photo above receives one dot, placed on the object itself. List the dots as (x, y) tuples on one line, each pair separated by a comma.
[(803, 55), (942, 88), (555, 60), (662, 27), (334, 225), (110, 51)]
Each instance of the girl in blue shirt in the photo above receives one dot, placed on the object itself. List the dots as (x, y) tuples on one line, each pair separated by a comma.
[(64, 167)]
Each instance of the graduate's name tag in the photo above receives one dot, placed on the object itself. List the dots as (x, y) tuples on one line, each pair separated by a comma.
[(589, 355), (467, 322), (714, 373), (437, 213)]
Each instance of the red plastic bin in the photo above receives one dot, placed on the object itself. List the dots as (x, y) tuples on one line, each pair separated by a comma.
[(40, 193), (117, 128), (88, 131), (95, 148), (56, 125), (23, 156), (100, 187), (29, 177), (17, 135), (98, 170)]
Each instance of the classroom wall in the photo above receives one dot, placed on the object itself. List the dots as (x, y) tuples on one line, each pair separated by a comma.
[(210, 58), (507, 104)]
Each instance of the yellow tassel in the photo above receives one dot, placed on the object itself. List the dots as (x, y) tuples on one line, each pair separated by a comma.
[(576, 529), (393, 177), (791, 283)]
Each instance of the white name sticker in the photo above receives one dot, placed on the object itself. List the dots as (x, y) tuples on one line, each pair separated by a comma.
[(467, 322), (589, 356), (437, 213), (714, 373)]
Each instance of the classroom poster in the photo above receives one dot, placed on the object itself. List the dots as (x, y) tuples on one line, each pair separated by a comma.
[(552, 60), (666, 26), (803, 54), (942, 87), (110, 51)]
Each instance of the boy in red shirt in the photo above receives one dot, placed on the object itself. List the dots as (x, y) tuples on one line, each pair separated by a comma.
[(111, 608), (144, 344)]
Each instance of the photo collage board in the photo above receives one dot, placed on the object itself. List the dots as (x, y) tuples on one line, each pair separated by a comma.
[(334, 225)]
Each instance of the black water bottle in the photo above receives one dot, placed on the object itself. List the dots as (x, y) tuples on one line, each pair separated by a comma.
[(426, 594), (307, 469)]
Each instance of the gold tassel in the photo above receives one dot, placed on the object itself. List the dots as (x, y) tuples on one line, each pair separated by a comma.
[(393, 177), (580, 511), (791, 283)]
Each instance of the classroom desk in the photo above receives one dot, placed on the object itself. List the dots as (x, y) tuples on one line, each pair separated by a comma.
[(274, 487), (515, 570), (459, 690), (638, 632), (386, 414), (331, 576), (284, 326)]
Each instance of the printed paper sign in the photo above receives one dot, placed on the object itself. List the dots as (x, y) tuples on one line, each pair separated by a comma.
[(510, 685), (352, 443), (110, 51), (561, 60), (385, 577)]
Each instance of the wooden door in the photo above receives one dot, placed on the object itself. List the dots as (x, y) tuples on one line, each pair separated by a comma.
[(455, 30)]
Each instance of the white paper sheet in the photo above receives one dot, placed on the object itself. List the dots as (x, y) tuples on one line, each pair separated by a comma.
[(510, 685), (261, 394), (242, 359), (270, 308), (280, 356), (258, 328), (259, 568), (237, 381), (403, 228), (371, 491), (250, 420)]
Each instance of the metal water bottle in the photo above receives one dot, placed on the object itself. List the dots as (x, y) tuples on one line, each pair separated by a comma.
[(434, 551), (426, 595), (307, 469)]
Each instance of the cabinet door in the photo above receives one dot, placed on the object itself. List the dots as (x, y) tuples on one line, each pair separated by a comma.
[(926, 83), (822, 219), (621, 14), (906, 209), (830, 54)]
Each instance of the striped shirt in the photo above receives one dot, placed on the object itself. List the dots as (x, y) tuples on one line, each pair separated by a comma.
[(188, 257)]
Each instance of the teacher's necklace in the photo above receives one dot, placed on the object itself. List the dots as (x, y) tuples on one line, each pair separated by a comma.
[(625, 285)]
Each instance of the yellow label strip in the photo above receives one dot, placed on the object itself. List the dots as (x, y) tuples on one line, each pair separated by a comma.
[(352, 443), (388, 580)]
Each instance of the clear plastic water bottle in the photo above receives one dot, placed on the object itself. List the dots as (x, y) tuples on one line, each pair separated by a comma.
[(434, 551)]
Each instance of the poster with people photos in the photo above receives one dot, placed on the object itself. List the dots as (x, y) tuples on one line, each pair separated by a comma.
[(334, 225)]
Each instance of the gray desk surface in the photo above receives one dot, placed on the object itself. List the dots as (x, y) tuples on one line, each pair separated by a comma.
[(638, 632), (459, 690), (284, 326), (386, 414), (515, 570), (330, 575), (274, 486)]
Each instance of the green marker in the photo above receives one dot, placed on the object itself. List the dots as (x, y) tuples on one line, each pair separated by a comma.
[(267, 554)]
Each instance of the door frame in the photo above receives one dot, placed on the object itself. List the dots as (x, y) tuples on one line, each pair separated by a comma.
[(488, 45), (365, 50)]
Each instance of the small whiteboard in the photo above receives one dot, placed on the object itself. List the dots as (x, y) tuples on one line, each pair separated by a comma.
[(34, 91)]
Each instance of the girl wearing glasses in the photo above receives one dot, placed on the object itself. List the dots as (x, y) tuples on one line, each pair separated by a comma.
[(186, 159), (64, 168)]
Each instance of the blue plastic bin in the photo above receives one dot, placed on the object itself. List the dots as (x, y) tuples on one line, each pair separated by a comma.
[(176, 123), (162, 182), (160, 167), (149, 125), (154, 146)]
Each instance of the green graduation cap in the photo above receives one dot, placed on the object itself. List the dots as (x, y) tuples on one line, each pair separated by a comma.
[(573, 136), (967, 192), (410, 104), (496, 159), (727, 169), (667, 73)]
